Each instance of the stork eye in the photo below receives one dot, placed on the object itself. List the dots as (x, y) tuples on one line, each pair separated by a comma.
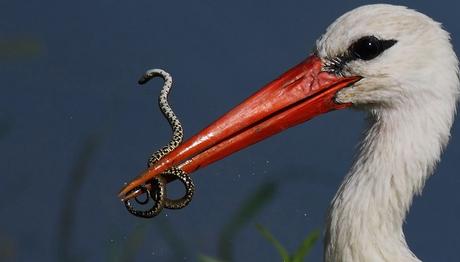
[(369, 47)]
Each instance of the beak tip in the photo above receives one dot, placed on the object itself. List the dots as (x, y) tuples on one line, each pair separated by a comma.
[(122, 193), (121, 196), (127, 193)]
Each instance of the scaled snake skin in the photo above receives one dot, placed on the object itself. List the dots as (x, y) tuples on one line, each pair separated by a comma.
[(158, 192)]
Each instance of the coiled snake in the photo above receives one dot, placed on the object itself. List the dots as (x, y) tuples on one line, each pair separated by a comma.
[(157, 191)]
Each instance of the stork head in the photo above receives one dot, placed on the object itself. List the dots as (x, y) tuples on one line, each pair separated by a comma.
[(404, 57), (376, 57)]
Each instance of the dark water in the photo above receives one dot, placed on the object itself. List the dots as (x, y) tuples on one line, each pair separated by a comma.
[(74, 126)]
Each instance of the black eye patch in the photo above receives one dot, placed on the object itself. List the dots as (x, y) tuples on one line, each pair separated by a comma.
[(369, 47), (366, 48)]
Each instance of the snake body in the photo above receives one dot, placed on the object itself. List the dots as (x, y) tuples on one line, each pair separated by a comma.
[(158, 185), (177, 131)]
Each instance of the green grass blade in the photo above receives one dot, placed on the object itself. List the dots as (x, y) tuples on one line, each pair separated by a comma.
[(304, 249), (133, 242), (78, 175), (15, 48), (246, 211), (8, 249), (175, 242), (203, 258), (279, 247)]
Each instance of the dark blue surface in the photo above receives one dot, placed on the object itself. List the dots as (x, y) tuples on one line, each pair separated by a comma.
[(76, 77)]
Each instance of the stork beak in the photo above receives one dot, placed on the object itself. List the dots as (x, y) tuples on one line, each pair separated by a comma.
[(298, 95)]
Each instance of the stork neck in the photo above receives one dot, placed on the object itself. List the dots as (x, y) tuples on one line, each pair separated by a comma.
[(398, 153)]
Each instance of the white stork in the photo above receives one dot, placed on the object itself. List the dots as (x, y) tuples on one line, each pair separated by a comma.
[(393, 62), (410, 92)]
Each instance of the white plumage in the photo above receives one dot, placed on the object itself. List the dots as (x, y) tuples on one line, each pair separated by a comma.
[(410, 93), (403, 72)]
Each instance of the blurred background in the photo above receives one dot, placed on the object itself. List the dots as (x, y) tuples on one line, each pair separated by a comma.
[(74, 126)]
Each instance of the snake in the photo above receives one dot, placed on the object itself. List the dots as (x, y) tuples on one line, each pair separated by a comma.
[(157, 191)]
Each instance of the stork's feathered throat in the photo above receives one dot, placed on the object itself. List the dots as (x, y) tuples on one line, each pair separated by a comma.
[(410, 91), (396, 64)]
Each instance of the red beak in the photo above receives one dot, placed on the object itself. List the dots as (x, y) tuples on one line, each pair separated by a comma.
[(298, 95)]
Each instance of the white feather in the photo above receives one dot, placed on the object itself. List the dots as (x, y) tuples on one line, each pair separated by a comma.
[(410, 92)]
